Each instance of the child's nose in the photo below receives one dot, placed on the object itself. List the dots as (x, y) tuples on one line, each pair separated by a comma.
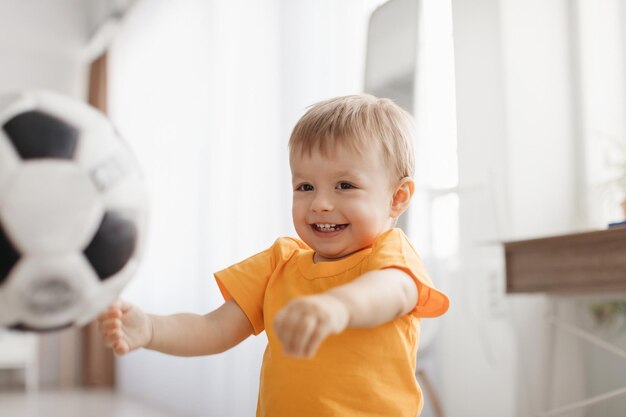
[(321, 202)]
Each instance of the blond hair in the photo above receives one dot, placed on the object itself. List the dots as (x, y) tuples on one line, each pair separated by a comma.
[(358, 122)]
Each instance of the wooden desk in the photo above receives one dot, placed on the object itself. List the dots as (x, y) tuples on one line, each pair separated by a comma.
[(580, 263), (574, 264)]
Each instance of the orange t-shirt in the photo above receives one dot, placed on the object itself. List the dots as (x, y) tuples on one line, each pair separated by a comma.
[(360, 372)]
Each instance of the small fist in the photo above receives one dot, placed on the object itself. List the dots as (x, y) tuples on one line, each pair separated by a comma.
[(305, 322), (125, 327)]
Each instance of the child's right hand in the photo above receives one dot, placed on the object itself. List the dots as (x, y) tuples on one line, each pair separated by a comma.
[(125, 327)]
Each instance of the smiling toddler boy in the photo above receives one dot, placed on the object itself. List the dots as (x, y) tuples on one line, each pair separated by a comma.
[(341, 305)]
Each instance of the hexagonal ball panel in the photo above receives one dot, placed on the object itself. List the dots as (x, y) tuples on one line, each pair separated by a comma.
[(39, 135), (48, 292), (8, 255), (51, 206), (113, 244)]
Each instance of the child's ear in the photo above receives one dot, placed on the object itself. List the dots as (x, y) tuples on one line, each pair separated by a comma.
[(402, 197)]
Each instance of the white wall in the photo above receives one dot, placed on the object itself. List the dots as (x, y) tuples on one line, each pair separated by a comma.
[(41, 45), (478, 378), (517, 147), (603, 88)]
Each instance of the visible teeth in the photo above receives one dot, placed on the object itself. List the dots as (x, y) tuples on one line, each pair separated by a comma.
[(326, 227)]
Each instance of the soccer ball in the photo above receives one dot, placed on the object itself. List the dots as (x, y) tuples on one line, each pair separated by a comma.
[(72, 212)]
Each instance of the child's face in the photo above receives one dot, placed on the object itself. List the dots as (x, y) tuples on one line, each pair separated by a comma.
[(350, 192)]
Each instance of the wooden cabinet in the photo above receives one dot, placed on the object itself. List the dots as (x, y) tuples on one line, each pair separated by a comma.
[(590, 262)]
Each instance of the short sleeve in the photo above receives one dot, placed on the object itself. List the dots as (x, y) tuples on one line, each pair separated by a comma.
[(393, 250), (245, 282)]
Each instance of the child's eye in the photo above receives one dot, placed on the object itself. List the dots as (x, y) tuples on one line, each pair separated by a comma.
[(304, 187), (345, 186)]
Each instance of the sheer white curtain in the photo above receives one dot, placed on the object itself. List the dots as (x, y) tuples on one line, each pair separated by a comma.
[(206, 93)]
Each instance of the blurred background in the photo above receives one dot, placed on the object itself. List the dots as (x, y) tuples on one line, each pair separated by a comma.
[(520, 109)]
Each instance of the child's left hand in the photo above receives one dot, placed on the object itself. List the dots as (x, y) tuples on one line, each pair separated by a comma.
[(305, 322)]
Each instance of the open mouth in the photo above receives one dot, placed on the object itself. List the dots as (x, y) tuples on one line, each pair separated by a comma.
[(328, 227)]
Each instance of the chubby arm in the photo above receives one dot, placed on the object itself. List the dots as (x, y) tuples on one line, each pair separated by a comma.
[(374, 298), (125, 328)]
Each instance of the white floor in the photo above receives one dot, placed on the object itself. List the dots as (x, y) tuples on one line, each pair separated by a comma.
[(74, 403)]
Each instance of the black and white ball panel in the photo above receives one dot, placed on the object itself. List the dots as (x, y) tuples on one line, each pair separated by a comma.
[(94, 151), (113, 244), (95, 146), (66, 205), (36, 134), (48, 291)]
